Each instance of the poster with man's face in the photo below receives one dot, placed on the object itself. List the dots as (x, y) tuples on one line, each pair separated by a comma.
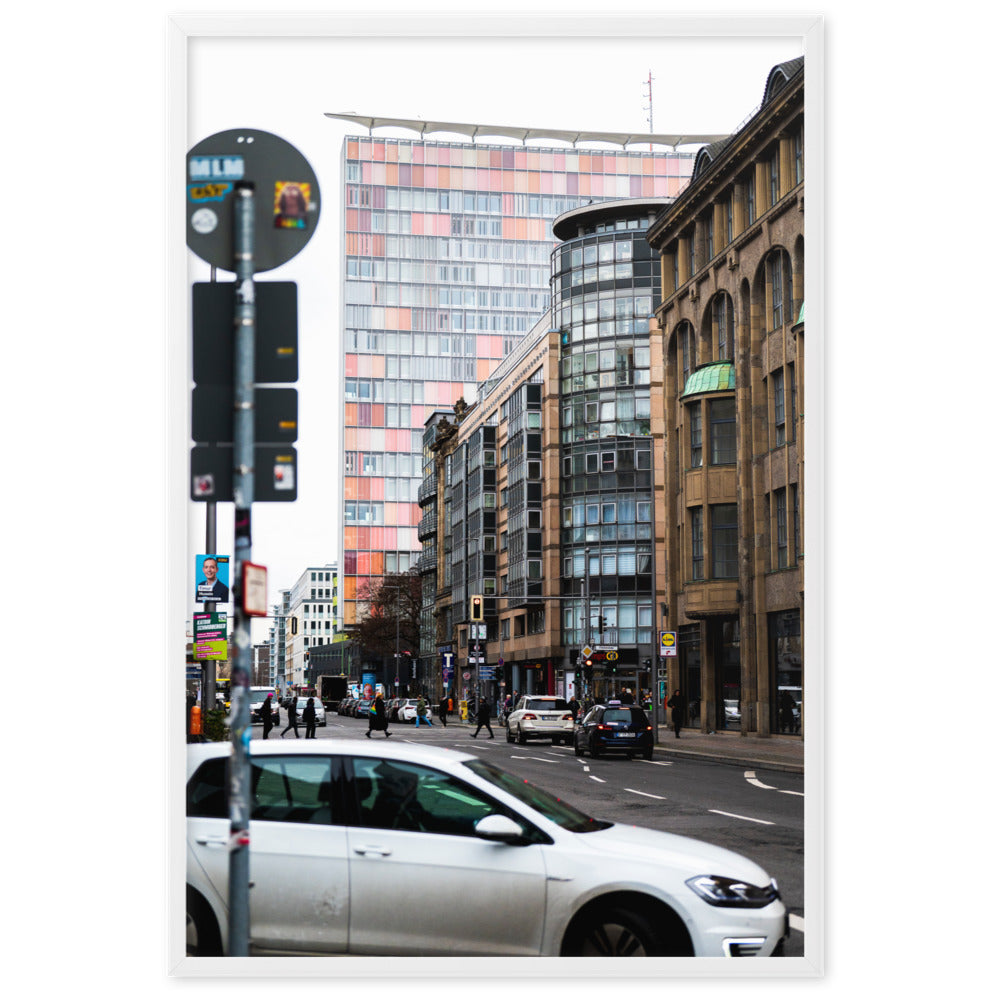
[(211, 578)]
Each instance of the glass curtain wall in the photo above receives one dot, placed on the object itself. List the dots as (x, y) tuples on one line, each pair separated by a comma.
[(446, 250)]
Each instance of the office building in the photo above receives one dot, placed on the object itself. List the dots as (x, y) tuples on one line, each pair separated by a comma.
[(446, 269)]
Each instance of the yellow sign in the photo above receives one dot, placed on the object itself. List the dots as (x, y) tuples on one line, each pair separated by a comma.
[(611, 655)]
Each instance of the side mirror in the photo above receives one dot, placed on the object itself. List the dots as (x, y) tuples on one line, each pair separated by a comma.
[(500, 828)]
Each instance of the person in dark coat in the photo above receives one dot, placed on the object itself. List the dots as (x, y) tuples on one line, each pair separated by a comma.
[(676, 704), (309, 719), (293, 718), (574, 707), (443, 711), (265, 716), (483, 717), (377, 720)]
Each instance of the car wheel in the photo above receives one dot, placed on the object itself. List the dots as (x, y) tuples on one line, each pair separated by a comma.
[(631, 756), (614, 933), (594, 751), (510, 735), (203, 937), (648, 755), (578, 750), (521, 738)]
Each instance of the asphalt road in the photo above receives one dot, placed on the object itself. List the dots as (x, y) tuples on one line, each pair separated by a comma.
[(754, 812)]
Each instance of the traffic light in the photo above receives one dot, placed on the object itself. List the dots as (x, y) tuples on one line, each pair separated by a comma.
[(295, 626), (602, 624), (476, 608)]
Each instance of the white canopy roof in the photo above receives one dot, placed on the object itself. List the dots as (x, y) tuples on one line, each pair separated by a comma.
[(518, 132)]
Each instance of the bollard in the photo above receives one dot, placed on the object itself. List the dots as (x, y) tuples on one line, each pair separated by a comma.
[(195, 720)]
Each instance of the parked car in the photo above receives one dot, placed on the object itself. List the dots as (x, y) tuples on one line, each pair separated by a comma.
[(332, 824), (541, 717), (347, 706), (615, 728), (361, 707), (300, 705)]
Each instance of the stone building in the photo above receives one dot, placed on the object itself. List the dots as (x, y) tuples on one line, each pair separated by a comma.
[(732, 261)]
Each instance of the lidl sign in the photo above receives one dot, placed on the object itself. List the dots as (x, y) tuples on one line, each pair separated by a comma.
[(668, 644)]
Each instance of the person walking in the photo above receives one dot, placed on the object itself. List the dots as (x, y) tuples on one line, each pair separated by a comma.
[(676, 704), (422, 714), (443, 711), (574, 707), (265, 716), (293, 718), (309, 719), (483, 717), (378, 721)]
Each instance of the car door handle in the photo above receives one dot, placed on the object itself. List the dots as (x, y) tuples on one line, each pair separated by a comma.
[(382, 851), (212, 841)]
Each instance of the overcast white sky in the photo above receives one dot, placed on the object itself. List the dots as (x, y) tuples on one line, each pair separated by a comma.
[(285, 85), (908, 590)]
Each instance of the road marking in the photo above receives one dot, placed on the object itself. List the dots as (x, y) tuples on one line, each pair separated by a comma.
[(752, 779), (648, 795), (796, 923), (594, 777), (544, 760), (658, 763), (749, 819)]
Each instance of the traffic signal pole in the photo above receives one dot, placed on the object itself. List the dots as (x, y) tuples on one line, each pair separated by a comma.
[(244, 322)]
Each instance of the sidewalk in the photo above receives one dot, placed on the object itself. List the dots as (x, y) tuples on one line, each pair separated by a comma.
[(775, 753)]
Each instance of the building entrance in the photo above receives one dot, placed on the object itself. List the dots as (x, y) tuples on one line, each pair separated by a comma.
[(724, 637)]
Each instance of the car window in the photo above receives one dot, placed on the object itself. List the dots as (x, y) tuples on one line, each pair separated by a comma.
[(591, 716), (294, 790), (393, 795), (547, 704), (206, 791), (617, 715)]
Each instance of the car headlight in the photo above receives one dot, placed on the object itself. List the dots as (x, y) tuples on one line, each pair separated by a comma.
[(721, 891)]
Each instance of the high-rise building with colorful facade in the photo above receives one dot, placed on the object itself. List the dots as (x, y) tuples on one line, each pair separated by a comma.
[(446, 267)]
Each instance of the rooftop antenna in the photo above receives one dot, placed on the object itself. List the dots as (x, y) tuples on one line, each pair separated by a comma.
[(648, 94)]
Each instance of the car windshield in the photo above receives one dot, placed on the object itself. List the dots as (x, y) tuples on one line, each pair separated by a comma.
[(559, 812), (547, 704), (259, 697), (618, 715)]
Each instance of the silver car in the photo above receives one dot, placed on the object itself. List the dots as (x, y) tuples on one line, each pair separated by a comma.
[(334, 825), (541, 717), (300, 705)]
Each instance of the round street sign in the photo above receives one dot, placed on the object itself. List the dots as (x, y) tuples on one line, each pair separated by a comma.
[(286, 197)]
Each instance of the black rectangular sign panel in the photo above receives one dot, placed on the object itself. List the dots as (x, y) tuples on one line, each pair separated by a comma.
[(276, 335), (275, 473), (276, 414)]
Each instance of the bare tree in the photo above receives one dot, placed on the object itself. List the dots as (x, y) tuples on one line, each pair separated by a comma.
[(395, 598)]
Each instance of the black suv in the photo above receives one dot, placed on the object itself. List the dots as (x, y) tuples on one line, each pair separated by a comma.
[(615, 728)]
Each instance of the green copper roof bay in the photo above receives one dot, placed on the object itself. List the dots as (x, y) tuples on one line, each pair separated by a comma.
[(718, 376)]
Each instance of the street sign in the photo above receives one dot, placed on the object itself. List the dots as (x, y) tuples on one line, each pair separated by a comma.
[(668, 644), (274, 473), (276, 337), (587, 651), (286, 206), (276, 415)]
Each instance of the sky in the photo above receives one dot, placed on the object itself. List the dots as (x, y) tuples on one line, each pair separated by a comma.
[(96, 553), (285, 86)]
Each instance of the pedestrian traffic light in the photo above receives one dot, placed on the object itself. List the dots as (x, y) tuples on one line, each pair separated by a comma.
[(476, 608)]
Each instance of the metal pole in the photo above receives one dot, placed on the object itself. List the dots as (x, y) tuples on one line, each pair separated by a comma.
[(244, 321)]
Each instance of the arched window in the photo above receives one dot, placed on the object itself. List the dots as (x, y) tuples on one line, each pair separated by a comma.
[(723, 324), (779, 288), (687, 353)]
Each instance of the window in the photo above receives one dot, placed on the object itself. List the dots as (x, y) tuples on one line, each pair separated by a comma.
[(722, 415), (393, 795), (724, 542), (694, 419), (781, 528), (749, 184), (779, 408), (293, 790), (779, 283), (722, 321)]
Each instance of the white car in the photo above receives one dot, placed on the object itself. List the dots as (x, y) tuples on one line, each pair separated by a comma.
[(333, 825), (300, 705), (541, 717), (408, 710)]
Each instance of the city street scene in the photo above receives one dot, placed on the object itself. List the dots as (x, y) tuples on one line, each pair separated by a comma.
[(496, 514)]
